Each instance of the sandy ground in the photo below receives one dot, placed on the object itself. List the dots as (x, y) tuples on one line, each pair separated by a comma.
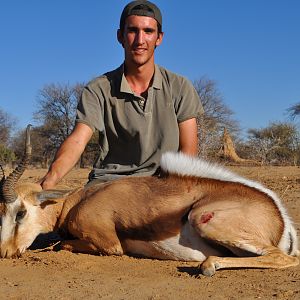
[(42, 273)]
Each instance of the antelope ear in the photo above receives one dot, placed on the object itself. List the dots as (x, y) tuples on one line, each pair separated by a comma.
[(51, 196)]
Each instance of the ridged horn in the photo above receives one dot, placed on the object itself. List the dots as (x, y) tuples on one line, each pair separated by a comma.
[(2, 179), (8, 188), (2, 170)]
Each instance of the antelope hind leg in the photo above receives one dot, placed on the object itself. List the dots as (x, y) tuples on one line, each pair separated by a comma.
[(232, 226), (273, 258)]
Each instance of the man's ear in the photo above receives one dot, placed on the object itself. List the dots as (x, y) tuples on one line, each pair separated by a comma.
[(159, 39), (120, 37)]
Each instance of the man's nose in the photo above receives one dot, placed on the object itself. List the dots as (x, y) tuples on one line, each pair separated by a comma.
[(140, 37)]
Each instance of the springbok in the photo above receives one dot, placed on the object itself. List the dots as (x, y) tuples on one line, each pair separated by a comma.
[(196, 212)]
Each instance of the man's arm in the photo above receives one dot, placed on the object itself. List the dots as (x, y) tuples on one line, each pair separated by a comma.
[(188, 138), (67, 155)]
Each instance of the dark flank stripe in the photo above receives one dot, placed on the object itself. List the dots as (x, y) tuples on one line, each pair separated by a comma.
[(291, 243), (158, 229)]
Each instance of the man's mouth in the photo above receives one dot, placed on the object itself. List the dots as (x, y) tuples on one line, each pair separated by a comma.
[(139, 50)]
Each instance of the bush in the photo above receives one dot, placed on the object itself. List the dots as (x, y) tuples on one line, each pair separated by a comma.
[(6, 155)]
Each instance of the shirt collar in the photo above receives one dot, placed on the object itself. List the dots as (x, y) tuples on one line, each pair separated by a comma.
[(157, 80)]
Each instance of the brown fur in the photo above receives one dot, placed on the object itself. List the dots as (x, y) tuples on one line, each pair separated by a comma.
[(103, 217), (147, 209)]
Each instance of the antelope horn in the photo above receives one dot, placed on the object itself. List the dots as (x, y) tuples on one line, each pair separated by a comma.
[(8, 188), (3, 173), (2, 179)]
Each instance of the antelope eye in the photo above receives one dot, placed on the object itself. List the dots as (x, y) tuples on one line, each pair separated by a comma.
[(20, 215)]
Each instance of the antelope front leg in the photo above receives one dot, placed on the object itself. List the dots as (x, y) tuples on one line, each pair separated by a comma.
[(101, 234), (79, 246), (273, 258)]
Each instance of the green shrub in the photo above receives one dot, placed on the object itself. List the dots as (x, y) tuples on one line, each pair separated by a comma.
[(6, 155)]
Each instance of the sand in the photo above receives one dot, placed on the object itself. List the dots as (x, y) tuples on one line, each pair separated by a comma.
[(42, 273)]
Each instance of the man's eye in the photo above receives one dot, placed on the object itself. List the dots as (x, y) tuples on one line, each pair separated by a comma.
[(149, 30), (20, 215), (132, 29)]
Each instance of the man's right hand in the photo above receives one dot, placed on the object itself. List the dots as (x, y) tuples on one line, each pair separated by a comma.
[(48, 182)]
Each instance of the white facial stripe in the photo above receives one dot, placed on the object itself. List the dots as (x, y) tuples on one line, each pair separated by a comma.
[(8, 221), (27, 229)]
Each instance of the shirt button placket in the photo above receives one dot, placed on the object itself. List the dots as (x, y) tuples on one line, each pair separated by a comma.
[(141, 103)]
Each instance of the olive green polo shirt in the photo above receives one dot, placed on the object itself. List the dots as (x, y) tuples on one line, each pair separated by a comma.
[(134, 132)]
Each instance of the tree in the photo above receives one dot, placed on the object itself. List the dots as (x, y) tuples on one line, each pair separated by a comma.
[(57, 108), (294, 110), (7, 124), (217, 116), (56, 116), (277, 143)]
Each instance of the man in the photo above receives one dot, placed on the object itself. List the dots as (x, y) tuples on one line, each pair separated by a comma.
[(141, 110)]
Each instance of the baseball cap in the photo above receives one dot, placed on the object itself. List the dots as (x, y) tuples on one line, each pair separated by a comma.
[(141, 8)]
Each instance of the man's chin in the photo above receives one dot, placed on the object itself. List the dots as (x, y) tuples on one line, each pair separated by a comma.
[(140, 61)]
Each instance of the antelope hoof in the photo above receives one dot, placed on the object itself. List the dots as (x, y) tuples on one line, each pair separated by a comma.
[(208, 267), (64, 245), (115, 250), (109, 252)]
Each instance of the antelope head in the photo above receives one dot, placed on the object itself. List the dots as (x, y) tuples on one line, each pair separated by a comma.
[(15, 208), (25, 209)]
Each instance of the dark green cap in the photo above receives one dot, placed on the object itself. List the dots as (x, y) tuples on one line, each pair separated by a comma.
[(141, 8)]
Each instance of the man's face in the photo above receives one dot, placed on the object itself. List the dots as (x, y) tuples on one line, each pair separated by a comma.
[(139, 39)]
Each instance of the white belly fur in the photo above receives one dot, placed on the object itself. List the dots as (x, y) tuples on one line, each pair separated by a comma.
[(186, 246)]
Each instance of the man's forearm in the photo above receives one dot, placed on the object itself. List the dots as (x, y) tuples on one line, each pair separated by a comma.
[(67, 155), (65, 159)]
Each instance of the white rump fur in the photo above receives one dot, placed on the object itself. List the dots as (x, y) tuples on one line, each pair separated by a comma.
[(181, 164)]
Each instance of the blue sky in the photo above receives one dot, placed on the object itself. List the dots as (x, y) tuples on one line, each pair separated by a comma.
[(251, 48)]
